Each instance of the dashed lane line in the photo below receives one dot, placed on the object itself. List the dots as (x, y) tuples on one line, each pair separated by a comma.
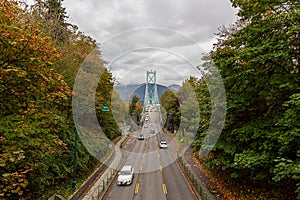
[(137, 186), (164, 188)]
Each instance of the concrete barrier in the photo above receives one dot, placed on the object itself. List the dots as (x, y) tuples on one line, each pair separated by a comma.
[(56, 197)]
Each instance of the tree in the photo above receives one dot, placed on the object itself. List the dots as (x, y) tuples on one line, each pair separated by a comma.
[(52, 16), (73, 45), (103, 94), (259, 62), (118, 107), (39, 59), (33, 99), (171, 110), (134, 101)]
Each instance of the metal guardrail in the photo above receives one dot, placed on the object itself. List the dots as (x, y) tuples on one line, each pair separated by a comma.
[(198, 187), (57, 197), (103, 184)]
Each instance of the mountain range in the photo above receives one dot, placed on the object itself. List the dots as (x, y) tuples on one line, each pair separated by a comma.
[(127, 91)]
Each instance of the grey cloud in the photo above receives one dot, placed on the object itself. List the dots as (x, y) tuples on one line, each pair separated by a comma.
[(186, 32)]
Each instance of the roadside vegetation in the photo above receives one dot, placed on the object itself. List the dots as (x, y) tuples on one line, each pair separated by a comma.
[(40, 54), (258, 58), (258, 153)]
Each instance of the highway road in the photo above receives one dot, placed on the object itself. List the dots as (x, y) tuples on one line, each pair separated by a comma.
[(157, 175)]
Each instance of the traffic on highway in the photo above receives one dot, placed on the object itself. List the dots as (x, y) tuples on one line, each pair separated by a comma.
[(151, 155)]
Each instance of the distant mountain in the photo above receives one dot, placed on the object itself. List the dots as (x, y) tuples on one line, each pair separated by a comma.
[(174, 87), (127, 91)]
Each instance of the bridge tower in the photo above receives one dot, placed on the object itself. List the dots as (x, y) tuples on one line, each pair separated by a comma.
[(151, 94)]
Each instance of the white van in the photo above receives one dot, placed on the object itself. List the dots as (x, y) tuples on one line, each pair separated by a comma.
[(125, 175)]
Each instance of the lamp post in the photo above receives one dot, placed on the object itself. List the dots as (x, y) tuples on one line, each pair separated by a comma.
[(104, 109), (74, 151)]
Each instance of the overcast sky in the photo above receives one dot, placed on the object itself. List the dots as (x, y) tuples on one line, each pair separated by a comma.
[(169, 36)]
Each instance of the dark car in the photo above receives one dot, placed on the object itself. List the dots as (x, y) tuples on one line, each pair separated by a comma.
[(141, 137)]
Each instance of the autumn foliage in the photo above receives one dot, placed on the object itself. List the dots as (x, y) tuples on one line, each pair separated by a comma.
[(33, 98), (36, 124)]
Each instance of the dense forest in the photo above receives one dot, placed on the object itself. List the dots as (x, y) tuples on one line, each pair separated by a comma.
[(258, 151), (40, 54)]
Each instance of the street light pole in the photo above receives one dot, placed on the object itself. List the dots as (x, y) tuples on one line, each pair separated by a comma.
[(75, 150), (104, 109)]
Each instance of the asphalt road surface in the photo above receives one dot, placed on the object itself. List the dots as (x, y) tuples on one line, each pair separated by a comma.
[(157, 175)]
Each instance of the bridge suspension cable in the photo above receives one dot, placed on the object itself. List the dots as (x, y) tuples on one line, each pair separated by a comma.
[(151, 100)]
